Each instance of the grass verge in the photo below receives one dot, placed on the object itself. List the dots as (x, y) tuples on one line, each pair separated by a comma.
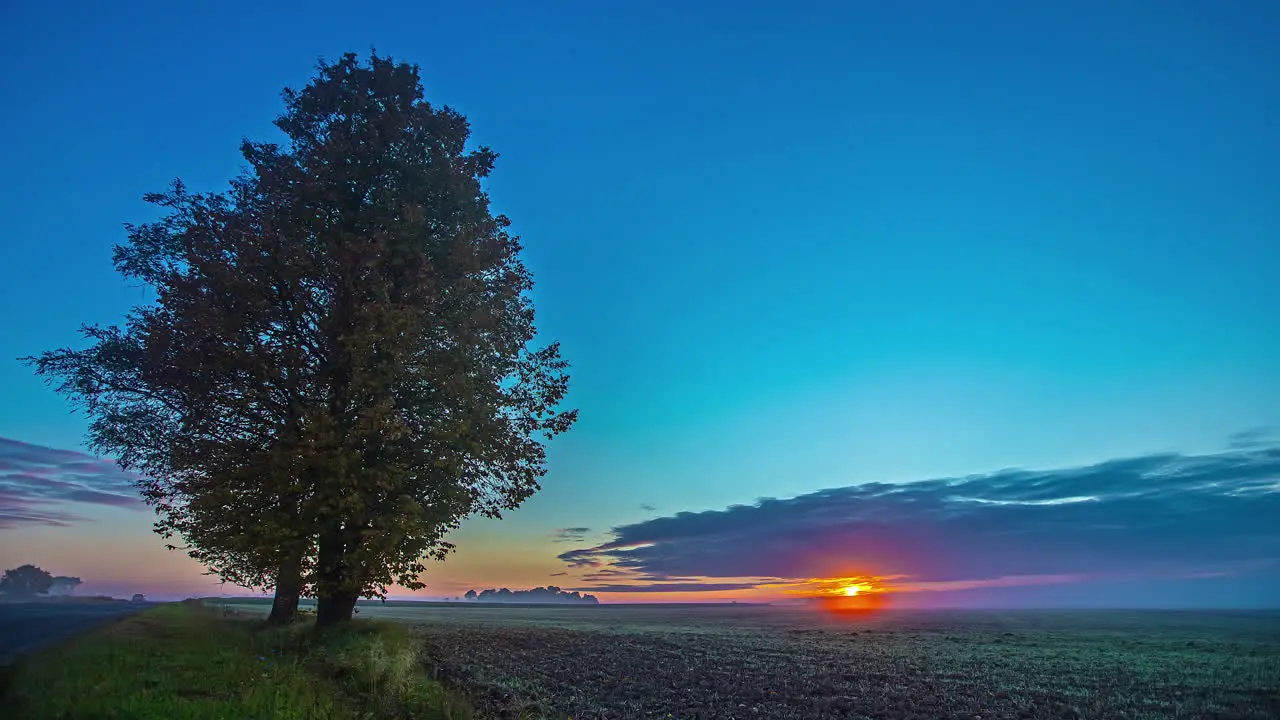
[(186, 661)]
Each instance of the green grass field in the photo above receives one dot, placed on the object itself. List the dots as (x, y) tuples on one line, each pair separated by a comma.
[(187, 661), (620, 662), (712, 663)]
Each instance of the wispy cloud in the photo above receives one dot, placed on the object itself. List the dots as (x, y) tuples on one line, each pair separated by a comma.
[(1253, 438), (665, 587), (573, 534), (37, 483), (999, 582), (1159, 515)]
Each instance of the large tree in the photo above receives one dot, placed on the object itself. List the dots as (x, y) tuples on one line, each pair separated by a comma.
[(338, 366), (435, 404)]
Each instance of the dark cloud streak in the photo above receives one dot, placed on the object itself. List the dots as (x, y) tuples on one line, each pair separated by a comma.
[(36, 480), (573, 534), (1253, 438), (1134, 516), (666, 587)]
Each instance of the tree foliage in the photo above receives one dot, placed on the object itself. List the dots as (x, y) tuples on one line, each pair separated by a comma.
[(25, 581), (338, 366), (186, 391)]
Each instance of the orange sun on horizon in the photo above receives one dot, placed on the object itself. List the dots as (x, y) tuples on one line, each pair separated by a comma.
[(844, 594), (857, 594)]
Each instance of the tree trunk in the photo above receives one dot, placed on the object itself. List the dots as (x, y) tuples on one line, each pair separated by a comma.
[(284, 608), (335, 609), (337, 586)]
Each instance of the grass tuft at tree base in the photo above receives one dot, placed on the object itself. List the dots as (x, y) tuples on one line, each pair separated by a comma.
[(186, 661)]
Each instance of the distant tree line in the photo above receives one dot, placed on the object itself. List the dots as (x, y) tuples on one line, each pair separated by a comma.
[(550, 594), (28, 581), (336, 365)]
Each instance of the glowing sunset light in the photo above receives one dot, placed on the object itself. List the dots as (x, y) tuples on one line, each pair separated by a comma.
[(855, 594), (849, 586)]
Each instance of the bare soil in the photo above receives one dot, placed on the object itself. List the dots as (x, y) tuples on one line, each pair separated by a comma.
[(733, 663)]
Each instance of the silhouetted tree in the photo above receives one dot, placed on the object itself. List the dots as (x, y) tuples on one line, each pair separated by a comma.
[(434, 405), (338, 367), (25, 581), (471, 595)]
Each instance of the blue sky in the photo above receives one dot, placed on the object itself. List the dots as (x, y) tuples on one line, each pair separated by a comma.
[(786, 249)]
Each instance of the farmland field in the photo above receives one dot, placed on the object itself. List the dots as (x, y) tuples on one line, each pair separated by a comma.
[(720, 662)]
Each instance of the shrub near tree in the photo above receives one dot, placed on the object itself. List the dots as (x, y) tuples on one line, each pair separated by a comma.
[(338, 366), (64, 585)]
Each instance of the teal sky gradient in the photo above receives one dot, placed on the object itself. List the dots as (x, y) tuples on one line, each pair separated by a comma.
[(784, 249)]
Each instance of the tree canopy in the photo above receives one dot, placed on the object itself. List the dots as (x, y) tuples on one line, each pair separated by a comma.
[(25, 581), (338, 365)]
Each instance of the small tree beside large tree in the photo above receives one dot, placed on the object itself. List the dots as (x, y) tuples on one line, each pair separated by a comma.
[(64, 585)]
